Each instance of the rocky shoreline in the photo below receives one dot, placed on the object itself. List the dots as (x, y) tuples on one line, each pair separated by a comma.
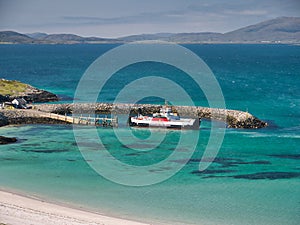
[(11, 89)]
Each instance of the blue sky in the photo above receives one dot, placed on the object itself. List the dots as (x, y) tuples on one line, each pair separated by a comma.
[(116, 18)]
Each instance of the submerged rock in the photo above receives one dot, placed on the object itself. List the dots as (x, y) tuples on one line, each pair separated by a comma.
[(7, 140), (268, 175)]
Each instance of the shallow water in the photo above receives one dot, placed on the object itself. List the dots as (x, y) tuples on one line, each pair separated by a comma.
[(253, 180)]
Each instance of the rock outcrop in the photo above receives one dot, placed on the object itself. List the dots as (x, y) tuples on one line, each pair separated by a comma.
[(38, 95), (7, 140)]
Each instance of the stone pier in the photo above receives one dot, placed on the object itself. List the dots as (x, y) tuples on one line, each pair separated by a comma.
[(233, 118)]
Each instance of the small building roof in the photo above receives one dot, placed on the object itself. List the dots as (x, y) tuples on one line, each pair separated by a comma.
[(19, 101)]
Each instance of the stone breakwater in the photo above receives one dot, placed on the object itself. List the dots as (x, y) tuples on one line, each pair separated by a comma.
[(25, 116), (233, 118)]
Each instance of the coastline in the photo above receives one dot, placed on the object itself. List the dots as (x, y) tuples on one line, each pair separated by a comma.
[(21, 209)]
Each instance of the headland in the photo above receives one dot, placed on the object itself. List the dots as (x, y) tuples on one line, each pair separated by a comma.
[(13, 89)]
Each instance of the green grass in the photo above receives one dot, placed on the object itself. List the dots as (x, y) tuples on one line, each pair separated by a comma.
[(12, 87)]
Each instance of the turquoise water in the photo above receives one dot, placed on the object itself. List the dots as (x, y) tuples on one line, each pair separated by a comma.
[(253, 180)]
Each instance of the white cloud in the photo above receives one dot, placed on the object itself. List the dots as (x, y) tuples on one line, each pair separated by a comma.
[(249, 12)]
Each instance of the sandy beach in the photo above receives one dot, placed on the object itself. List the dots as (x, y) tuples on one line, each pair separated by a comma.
[(16, 209)]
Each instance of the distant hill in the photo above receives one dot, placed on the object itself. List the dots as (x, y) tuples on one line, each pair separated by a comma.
[(279, 30), (73, 39), (283, 29), (11, 37), (14, 37), (62, 38), (144, 37), (37, 35), (195, 37), (179, 38)]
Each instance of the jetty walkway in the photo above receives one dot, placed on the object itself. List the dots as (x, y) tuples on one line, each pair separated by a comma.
[(84, 120), (32, 116)]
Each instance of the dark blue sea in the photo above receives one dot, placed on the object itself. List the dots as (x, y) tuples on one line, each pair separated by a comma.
[(254, 179)]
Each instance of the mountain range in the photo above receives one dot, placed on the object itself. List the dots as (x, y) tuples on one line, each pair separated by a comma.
[(278, 30)]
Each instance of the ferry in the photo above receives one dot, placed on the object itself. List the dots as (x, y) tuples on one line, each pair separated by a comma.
[(164, 119)]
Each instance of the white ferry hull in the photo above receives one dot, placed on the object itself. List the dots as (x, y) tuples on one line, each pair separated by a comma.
[(173, 124)]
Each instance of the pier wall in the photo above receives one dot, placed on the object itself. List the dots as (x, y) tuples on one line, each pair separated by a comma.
[(24, 116)]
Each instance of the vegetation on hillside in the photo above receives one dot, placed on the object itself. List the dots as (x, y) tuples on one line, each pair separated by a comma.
[(12, 87)]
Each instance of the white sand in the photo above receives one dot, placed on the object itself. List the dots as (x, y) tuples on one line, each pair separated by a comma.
[(16, 209)]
